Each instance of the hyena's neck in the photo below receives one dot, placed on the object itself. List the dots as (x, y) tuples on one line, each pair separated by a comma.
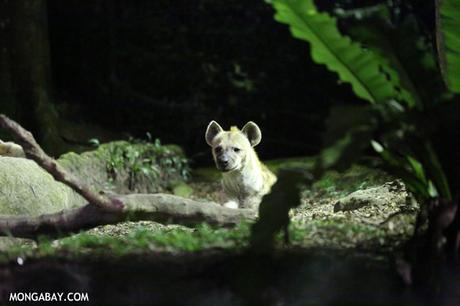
[(252, 164), (249, 176)]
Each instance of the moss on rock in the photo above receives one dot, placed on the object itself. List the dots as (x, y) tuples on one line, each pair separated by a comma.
[(27, 189), (129, 167)]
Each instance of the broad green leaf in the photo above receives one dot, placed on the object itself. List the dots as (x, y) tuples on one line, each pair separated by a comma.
[(448, 40), (417, 167), (407, 51), (369, 74)]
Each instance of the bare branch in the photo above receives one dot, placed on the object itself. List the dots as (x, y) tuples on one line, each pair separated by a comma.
[(163, 208), (35, 152)]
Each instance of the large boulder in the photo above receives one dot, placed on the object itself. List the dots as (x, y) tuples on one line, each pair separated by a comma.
[(118, 167), (27, 189)]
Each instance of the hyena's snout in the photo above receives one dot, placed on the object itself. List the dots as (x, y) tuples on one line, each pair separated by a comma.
[(224, 162)]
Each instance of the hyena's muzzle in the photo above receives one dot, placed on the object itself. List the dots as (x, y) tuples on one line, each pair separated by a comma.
[(225, 161)]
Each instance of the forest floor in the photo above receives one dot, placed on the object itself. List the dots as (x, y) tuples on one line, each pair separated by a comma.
[(360, 209), (344, 238)]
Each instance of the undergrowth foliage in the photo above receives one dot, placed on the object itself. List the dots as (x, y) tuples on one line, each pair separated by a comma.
[(152, 160), (384, 76), (410, 123)]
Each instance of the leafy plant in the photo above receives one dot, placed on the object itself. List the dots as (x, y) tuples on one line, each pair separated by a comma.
[(448, 40), (151, 160), (378, 73), (368, 73)]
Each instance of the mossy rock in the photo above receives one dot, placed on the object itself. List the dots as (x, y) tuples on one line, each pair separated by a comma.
[(360, 207), (127, 167), (27, 189)]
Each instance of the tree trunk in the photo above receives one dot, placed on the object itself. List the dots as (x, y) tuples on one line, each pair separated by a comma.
[(7, 105), (28, 66)]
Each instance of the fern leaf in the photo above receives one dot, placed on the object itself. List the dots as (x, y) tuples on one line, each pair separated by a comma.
[(448, 41), (369, 74)]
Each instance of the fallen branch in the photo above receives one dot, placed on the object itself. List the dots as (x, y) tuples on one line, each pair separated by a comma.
[(35, 152), (163, 208)]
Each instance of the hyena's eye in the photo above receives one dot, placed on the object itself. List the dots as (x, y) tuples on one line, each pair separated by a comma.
[(218, 149), (236, 150)]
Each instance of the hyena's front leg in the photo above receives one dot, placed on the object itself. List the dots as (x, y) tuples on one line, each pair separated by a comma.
[(231, 204), (228, 202)]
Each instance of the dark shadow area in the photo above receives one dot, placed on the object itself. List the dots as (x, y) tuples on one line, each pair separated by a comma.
[(169, 69), (290, 278)]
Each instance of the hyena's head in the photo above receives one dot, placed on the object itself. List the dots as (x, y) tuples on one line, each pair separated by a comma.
[(231, 149)]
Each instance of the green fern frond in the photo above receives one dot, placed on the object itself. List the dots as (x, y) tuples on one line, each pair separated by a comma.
[(370, 75)]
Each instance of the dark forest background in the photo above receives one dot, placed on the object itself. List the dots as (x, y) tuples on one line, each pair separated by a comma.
[(75, 70)]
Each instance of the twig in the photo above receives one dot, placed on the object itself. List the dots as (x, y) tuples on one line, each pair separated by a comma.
[(35, 152)]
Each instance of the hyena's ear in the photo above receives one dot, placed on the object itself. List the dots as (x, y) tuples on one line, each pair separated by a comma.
[(252, 132), (213, 129)]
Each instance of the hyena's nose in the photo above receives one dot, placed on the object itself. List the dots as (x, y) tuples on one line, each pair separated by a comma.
[(223, 162)]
